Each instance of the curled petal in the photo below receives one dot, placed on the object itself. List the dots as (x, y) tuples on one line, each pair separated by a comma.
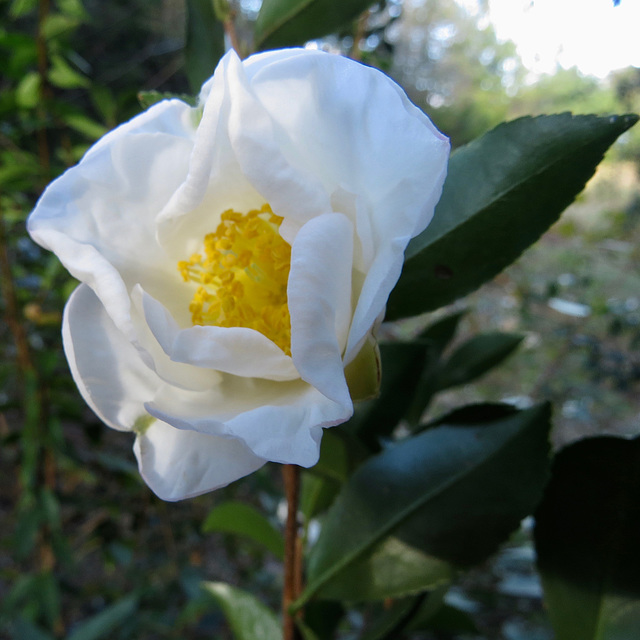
[(99, 218), (278, 421), (182, 464), (108, 370), (235, 350), (319, 293)]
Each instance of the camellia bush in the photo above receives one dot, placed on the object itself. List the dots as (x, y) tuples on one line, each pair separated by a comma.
[(237, 252)]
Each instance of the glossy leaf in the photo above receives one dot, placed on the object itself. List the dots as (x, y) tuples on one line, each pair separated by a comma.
[(248, 618), (104, 623), (204, 44), (443, 499), (501, 193), (402, 366), (322, 482), (244, 520), (283, 23), (475, 357), (439, 334), (587, 540), (393, 619)]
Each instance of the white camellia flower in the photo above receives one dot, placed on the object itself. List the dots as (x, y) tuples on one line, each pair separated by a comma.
[(234, 258)]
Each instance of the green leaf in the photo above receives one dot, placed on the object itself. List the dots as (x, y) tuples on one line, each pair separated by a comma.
[(20, 8), (84, 125), (28, 91), (49, 597), (475, 357), (321, 483), (204, 44), (248, 618), (244, 520), (588, 540), (439, 334), (57, 24), (25, 630), (446, 619), (402, 366), (445, 498), (501, 193), (393, 619), (321, 619), (283, 23), (149, 98), (104, 623), (63, 75)]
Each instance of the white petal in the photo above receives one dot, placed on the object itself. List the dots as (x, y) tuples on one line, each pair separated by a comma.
[(98, 218), (319, 298), (257, 145), (278, 421), (214, 181), (106, 367), (354, 129), (235, 350), (182, 464)]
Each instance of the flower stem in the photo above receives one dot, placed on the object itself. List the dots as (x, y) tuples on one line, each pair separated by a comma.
[(292, 551)]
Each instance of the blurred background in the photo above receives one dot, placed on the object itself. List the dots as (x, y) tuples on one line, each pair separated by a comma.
[(86, 551)]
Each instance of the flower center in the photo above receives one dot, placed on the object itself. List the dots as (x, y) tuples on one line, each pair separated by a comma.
[(243, 273)]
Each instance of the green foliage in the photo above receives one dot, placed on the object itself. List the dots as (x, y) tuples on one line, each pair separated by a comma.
[(248, 617), (475, 357), (107, 621), (443, 499), (244, 520), (283, 23), (204, 42), (586, 536), (502, 192), (403, 502)]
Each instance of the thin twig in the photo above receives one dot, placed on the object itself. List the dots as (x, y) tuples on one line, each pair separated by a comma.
[(11, 311), (292, 551)]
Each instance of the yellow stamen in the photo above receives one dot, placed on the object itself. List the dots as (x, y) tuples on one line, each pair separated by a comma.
[(242, 274)]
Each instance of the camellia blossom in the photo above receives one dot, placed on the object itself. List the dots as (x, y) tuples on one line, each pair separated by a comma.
[(236, 256)]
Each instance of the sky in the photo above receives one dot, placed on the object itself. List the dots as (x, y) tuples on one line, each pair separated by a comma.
[(593, 35)]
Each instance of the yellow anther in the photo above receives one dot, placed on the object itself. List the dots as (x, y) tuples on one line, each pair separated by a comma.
[(243, 276)]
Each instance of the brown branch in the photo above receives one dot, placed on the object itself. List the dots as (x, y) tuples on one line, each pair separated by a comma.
[(11, 310), (292, 551)]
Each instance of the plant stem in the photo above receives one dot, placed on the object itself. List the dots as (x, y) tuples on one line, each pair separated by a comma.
[(292, 551)]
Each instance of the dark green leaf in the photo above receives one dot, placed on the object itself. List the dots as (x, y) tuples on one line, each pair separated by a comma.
[(248, 618), (443, 330), (321, 483), (204, 44), (392, 620), (25, 630), (49, 597), (283, 23), (439, 334), (446, 619), (321, 618), (104, 623), (588, 540), (501, 193), (475, 357), (244, 520), (447, 497), (402, 366)]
